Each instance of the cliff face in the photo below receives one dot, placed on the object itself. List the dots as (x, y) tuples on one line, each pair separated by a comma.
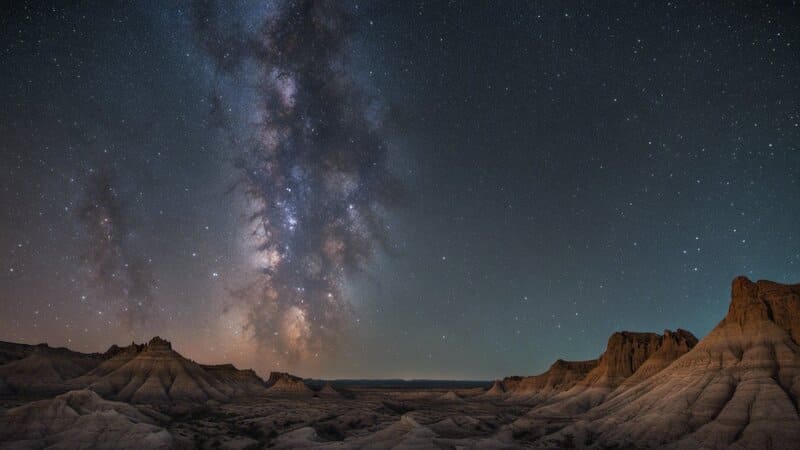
[(570, 387), (117, 357), (242, 382), (738, 387), (752, 303), (673, 345), (285, 383), (629, 359), (159, 375), (561, 376), (115, 350), (150, 373), (625, 352)]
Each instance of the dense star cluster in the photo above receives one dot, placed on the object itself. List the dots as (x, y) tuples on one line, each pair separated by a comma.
[(314, 171)]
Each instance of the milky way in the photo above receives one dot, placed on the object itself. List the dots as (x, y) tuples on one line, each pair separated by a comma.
[(116, 270), (573, 169), (315, 173)]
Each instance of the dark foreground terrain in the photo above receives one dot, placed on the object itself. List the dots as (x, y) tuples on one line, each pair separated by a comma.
[(738, 387), (366, 418)]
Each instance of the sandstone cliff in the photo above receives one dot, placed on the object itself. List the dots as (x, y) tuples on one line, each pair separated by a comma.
[(281, 383), (737, 388), (159, 375)]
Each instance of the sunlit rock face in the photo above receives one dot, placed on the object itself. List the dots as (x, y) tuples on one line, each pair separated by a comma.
[(673, 345), (737, 388), (160, 375), (281, 383), (573, 387), (561, 376)]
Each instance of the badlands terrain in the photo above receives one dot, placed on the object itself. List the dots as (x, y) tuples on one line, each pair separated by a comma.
[(737, 387)]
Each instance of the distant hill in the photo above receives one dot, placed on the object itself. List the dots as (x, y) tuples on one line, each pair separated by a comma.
[(398, 383)]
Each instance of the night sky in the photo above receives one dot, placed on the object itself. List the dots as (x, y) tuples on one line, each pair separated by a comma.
[(391, 189)]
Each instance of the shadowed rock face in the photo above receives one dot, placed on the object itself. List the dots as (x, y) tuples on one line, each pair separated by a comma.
[(81, 419), (119, 356), (115, 350), (150, 373), (737, 388), (242, 382), (41, 369)]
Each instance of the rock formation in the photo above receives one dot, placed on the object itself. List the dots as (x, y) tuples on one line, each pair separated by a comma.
[(282, 383), (328, 391), (158, 375), (41, 369), (674, 344), (115, 350), (81, 419), (450, 396), (626, 352), (496, 390), (116, 358), (561, 376), (737, 388), (241, 382)]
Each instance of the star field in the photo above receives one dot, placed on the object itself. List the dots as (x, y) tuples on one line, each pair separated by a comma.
[(392, 189)]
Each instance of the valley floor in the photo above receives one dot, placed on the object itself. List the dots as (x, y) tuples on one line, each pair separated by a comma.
[(366, 418)]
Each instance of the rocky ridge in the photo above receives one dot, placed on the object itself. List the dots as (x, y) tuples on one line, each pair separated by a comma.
[(282, 383), (737, 388)]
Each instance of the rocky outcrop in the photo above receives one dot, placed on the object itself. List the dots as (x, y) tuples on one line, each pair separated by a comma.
[(737, 388), (81, 419), (625, 353), (450, 397), (242, 382), (405, 433), (673, 345), (496, 390), (328, 391), (151, 373), (629, 358), (158, 375), (117, 357), (115, 350), (561, 376), (12, 351), (282, 383), (41, 369), (764, 301)]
